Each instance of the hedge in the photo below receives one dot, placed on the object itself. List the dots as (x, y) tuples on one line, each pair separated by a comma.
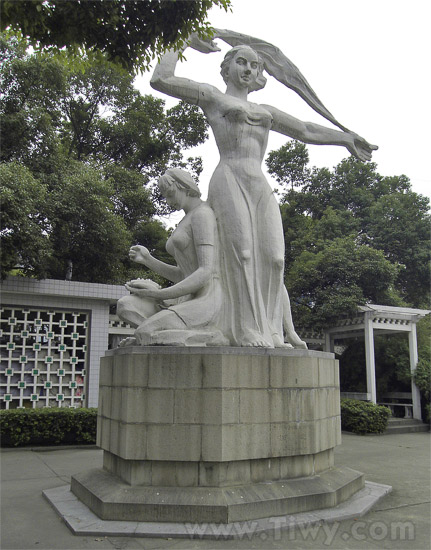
[(52, 426), (422, 379), (48, 426), (361, 417)]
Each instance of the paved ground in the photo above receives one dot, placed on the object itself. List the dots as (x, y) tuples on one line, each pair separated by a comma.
[(400, 521)]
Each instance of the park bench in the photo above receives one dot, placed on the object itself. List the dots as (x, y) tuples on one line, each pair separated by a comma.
[(360, 396), (398, 399)]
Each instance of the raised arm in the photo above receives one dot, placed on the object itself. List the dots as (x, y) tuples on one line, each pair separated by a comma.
[(309, 132), (141, 255), (164, 79), (191, 284), (203, 236)]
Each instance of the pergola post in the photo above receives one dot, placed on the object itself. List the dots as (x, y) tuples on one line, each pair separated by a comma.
[(329, 343), (369, 357), (413, 351)]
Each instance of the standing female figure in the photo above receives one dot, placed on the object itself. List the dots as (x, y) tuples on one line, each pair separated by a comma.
[(256, 304)]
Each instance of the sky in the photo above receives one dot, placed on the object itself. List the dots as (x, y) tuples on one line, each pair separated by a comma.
[(367, 60)]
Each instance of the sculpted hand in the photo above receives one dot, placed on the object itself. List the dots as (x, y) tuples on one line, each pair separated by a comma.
[(203, 46), (139, 254), (143, 292), (360, 148)]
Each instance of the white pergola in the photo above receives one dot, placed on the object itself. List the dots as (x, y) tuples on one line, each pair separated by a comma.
[(373, 320)]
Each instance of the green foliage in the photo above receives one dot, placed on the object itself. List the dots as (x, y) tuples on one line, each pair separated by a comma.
[(85, 227), (22, 224), (45, 426), (361, 417), (336, 277), (81, 150), (130, 33), (289, 164), (422, 379), (351, 236)]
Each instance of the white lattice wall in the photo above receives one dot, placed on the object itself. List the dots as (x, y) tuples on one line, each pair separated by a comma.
[(53, 334), (43, 357)]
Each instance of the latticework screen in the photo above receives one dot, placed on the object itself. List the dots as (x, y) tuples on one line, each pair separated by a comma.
[(43, 357)]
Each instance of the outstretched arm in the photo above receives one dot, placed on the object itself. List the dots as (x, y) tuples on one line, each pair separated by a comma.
[(165, 81), (309, 132)]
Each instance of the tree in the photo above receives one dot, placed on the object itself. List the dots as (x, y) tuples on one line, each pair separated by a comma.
[(23, 227), (351, 236), (93, 146), (129, 32), (289, 163), (333, 279)]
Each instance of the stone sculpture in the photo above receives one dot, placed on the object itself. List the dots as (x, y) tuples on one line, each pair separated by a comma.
[(220, 437), (255, 308), (187, 312)]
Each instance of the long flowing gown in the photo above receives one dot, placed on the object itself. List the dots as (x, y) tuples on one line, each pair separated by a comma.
[(248, 219)]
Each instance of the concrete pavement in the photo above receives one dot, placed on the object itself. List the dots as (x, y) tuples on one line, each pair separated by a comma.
[(400, 521)]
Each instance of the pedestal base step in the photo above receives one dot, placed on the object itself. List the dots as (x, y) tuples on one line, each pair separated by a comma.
[(82, 521), (112, 499)]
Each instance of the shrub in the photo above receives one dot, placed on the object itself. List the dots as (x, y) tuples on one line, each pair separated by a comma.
[(422, 379), (50, 426), (361, 417)]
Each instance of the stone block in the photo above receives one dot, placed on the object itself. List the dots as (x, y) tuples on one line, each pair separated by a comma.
[(284, 405), (147, 405), (116, 403), (133, 472), (114, 437), (293, 372), (284, 439), (337, 374), (131, 370), (235, 371), (323, 461), (267, 469), (136, 472), (105, 373), (174, 474), (236, 442), (174, 442), (174, 371), (132, 441), (308, 404), (326, 372), (222, 474), (200, 406), (105, 401), (254, 406), (292, 467), (308, 435), (336, 402), (103, 436)]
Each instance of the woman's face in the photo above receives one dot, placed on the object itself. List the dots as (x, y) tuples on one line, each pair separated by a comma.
[(175, 197), (244, 68)]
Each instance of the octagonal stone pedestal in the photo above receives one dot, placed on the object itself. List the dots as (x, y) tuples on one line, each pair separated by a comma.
[(216, 435)]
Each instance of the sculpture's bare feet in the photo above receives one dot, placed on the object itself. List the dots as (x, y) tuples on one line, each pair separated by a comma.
[(295, 340), (252, 338), (280, 343), (130, 341)]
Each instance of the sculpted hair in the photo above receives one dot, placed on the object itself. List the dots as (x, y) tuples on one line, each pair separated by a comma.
[(260, 80), (181, 180)]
